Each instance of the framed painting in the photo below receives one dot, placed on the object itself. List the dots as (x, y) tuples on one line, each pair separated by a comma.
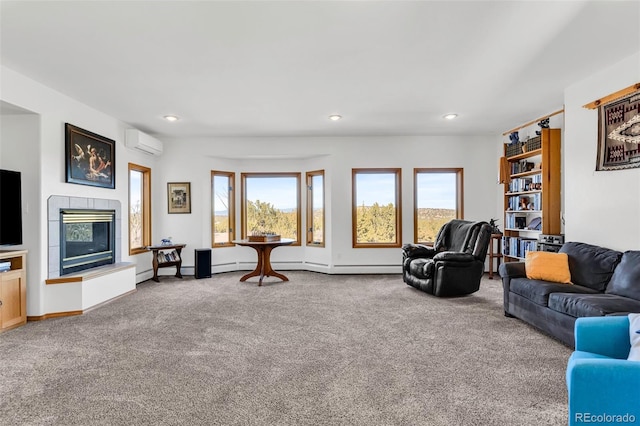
[(89, 158), (619, 133), (179, 197)]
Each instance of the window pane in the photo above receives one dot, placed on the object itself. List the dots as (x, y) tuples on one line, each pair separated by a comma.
[(139, 208), (272, 205), (220, 199), (376, 208), (317, 209), (135, 209), (436, 198)]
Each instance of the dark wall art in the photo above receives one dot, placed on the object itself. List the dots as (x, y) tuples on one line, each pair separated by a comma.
[(90, 158), (619, 134)]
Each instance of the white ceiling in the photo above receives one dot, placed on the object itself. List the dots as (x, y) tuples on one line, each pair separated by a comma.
[(270, 68)]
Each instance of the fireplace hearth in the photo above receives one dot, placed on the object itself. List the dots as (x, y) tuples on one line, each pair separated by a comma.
[(87, 239), (57, 203)]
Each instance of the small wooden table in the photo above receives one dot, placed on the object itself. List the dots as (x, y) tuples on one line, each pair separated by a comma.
[(177, 263), (263, 268), (497, 254)]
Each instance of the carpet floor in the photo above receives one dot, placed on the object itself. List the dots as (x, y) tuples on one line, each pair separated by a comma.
[(317, 350)]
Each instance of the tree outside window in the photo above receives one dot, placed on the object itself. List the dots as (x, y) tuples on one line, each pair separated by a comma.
[(271, 204), (376, 210), (139, 208), (437, 200), (315, 208), (222, 208)]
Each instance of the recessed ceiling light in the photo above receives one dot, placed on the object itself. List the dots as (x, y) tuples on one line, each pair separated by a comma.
[(335, 117), (450, 116), (171, 118)]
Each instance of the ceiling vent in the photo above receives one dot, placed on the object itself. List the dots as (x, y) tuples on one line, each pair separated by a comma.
[(142, 142)]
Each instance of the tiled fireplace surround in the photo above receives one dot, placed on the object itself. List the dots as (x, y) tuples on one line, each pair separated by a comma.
[(57, 202)]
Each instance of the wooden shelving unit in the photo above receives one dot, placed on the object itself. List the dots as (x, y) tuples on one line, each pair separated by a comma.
[(545, 171), (13, 290)]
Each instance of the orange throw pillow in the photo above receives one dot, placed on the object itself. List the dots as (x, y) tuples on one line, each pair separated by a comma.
[(547, 266)]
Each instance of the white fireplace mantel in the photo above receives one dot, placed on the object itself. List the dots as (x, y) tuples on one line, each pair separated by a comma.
[(57, 202), (73, 294)]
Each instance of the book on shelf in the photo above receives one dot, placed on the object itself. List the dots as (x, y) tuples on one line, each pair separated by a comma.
[(531, 183), (521, 167), (530, 201), (518, 247), (170, 256)]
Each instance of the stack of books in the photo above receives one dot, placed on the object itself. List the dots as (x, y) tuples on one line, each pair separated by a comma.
[(5, 266), (171, 256)]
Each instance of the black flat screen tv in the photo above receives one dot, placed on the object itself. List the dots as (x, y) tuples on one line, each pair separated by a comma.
[(10, 208)]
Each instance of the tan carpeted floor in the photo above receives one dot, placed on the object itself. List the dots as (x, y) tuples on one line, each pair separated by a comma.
[(318, 350)]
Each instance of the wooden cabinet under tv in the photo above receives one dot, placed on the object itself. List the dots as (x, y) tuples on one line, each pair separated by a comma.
[(13, 289), (544, 171)]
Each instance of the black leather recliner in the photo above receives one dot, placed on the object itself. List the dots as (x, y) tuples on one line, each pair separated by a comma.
[(454, 265)]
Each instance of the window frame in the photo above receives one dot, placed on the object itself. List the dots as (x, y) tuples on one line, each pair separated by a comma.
[(459, 172), (243, 201), (310, 222), (231, 176), (146, 208), (354, 207)]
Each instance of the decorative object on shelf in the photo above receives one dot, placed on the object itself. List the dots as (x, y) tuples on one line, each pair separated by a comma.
[(494, 226), (619, 136), (551, 243), (514, 138), (264, 237), (179, 197), (166, 241), (261, 233), (513, 149), (89, 158), (535, 224), (544, 124), (533, 144)]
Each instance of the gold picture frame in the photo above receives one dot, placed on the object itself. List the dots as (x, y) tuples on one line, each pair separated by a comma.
[(179, 197)]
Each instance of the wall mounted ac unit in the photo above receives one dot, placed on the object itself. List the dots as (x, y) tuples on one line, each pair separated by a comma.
[(135, 139)]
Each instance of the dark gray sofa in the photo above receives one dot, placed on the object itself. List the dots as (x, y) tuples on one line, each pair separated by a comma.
[(605, 282)]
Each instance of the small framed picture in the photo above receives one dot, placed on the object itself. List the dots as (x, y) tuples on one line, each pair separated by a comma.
[(179, 197)]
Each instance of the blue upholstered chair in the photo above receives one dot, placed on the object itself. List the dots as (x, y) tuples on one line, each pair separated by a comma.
[(602, 384)]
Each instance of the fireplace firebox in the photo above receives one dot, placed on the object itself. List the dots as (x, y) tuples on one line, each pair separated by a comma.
[(87, 239)]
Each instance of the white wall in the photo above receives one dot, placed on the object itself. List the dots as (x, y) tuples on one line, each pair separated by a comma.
[(19, 151), (337, 156), (53, 109), (601, 207)]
